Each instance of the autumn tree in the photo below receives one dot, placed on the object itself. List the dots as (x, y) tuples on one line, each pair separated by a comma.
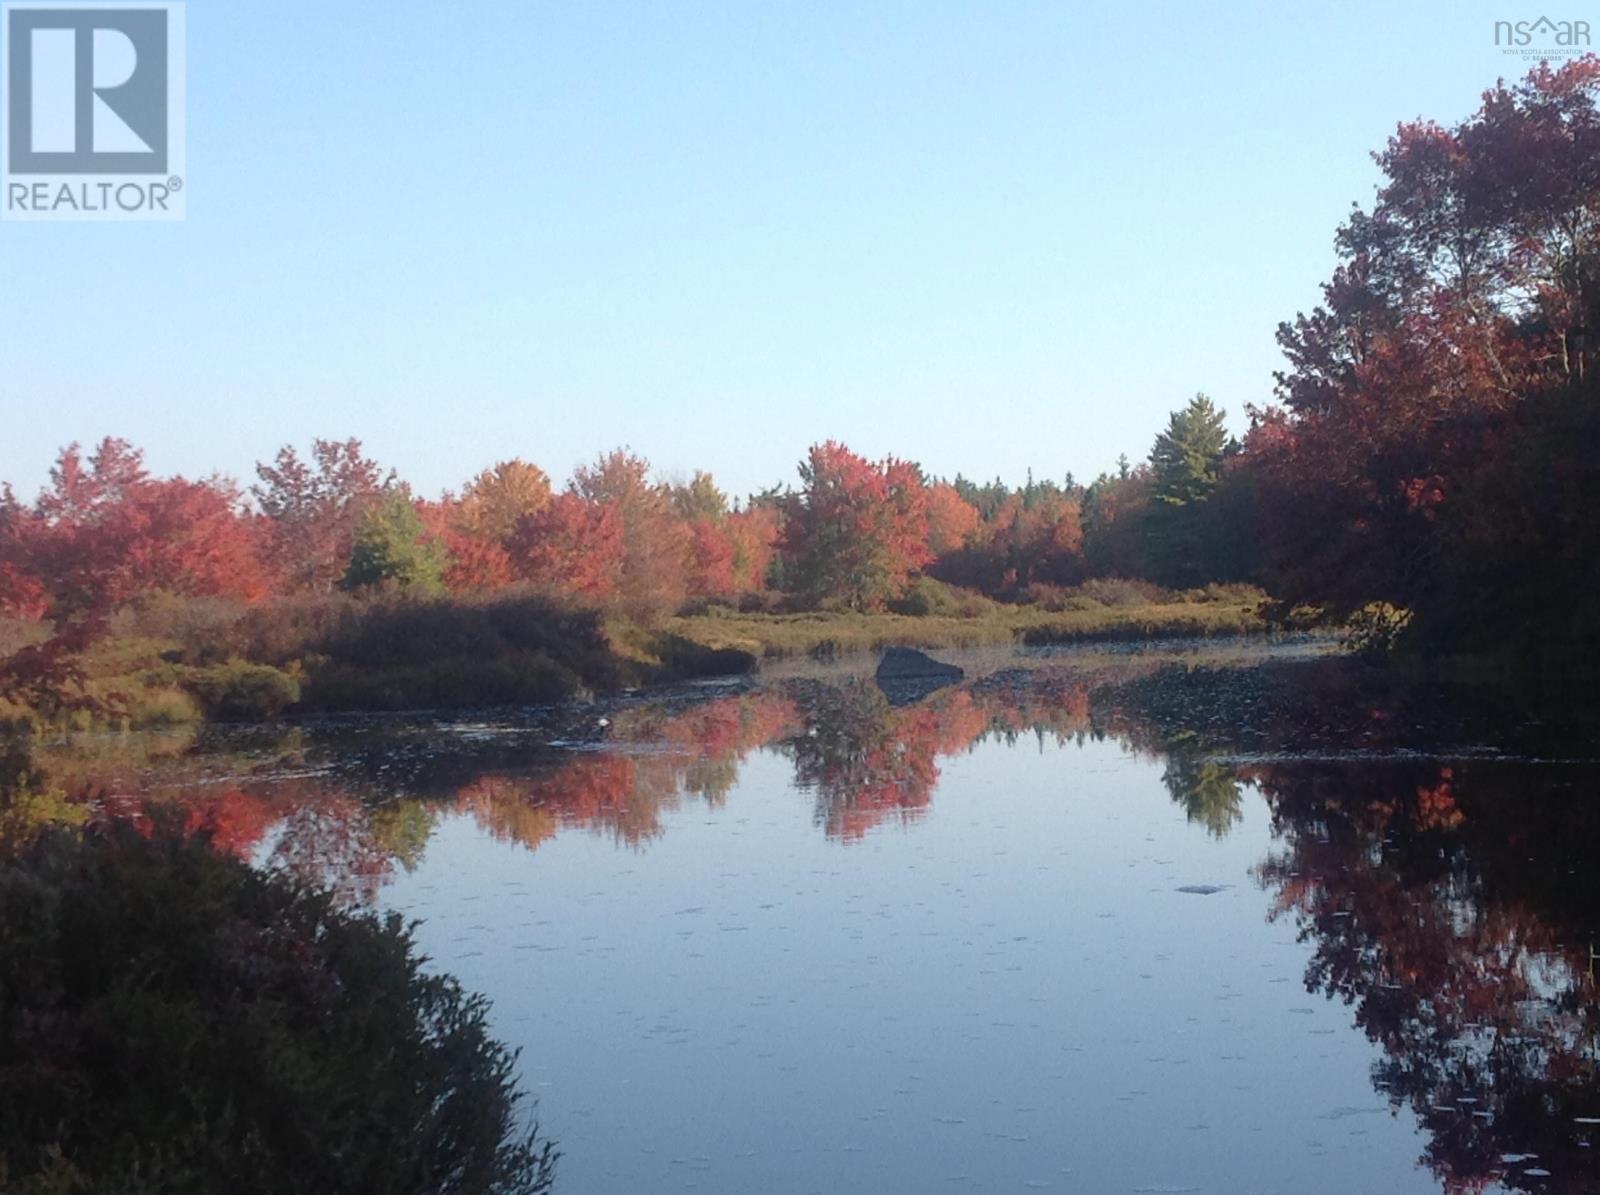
[(473, 564), (1456, 337), (856, 531), (755, 532), (952, 520), (655, 542), (315, 508), (572, 548), (497, 499), (1034, 537), (104, 532), (1115, 513)]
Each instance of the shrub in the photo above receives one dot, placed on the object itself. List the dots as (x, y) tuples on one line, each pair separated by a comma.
[(1376, 628), (1231, 593), (156, 707), (282, 631), (683, 658), (28, 800), (18, 633), (392, 651), (448, 682), (768, 601), (1057, 599), (926, 597), (178, 619), (171, 1020), (238, 689), (1123, 591)]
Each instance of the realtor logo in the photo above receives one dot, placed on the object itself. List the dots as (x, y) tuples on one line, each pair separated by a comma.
[(93, 122)]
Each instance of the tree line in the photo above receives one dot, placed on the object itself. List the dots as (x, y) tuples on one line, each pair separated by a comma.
[(852, 534), (1432, 445)]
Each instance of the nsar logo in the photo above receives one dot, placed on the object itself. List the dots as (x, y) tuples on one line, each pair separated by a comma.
[(1542, 38)]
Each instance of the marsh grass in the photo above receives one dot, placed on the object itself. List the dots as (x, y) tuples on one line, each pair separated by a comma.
[(1069, 618)]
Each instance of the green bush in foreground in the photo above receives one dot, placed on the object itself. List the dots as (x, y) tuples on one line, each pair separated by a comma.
[(173, 1021)]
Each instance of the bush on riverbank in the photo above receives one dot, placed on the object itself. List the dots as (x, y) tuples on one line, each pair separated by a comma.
[(171, 1020)]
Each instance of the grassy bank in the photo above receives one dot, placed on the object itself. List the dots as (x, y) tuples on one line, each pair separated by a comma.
[(172, 662), (1098, 611), (777, 636)]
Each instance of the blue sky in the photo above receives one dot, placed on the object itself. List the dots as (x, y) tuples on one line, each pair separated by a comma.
[(987, 237)]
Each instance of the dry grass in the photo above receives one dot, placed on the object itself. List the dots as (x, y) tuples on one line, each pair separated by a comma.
[(776, 636)]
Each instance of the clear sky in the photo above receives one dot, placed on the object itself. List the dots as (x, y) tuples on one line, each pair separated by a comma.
[(984, 236)]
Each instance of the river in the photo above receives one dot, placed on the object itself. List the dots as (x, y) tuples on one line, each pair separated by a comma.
[(1233, 919)]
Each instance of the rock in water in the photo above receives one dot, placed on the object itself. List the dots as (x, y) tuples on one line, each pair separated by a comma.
[(907, 675), (904, 663)]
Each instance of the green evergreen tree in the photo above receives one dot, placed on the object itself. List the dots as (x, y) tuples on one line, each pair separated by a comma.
[(1186, 468), (1187, 457)]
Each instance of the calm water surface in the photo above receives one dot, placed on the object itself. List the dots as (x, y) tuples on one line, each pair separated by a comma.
[(1083, 923)]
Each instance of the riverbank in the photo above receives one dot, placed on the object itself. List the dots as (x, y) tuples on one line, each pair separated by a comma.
[(781, 636), (175, 662)]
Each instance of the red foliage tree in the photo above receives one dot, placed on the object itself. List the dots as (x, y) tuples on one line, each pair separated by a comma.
[(475, 563), (713, 558), (103, 532), (315, 508), (952, 520), (22, 595), (1024, 543), (1471, 289), (571, 548), (857, 531)]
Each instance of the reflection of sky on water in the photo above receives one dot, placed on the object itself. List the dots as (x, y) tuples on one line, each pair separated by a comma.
[(1011, 992)]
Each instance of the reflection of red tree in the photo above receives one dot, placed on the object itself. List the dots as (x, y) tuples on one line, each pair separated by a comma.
[(691, 751), (323, 836), (1055, 704), (234, 821), (329, 843), (502, 807), (1436, 805), (1487, 1015), (868, 762)]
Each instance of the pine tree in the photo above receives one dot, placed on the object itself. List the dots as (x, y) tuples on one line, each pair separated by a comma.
[(1187, 457), (1186, 467)]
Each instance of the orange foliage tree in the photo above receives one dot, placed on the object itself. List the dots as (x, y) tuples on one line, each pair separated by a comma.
[(655, 541)]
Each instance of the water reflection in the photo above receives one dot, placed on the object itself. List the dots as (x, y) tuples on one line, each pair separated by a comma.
[(1442, 878), (1453, 910)]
